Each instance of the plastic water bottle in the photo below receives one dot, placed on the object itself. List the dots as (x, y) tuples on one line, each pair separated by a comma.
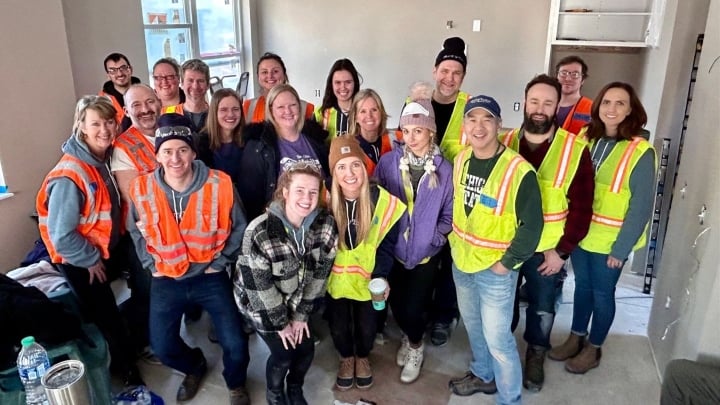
[(32, 363)]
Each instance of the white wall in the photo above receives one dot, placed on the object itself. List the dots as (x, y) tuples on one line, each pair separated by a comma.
[(393, 44), (96, 28), (37, 114), (685, 317)]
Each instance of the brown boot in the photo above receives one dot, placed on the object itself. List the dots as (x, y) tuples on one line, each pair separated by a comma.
[(363, 373), (346, 373), (570, 348), (588, 359)]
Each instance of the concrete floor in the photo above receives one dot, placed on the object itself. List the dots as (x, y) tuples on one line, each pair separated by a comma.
[(627, 373)]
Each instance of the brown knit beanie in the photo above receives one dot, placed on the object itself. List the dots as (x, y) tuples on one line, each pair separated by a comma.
[(344, 146)]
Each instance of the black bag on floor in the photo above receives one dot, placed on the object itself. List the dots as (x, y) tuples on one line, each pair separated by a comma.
[(27, 311)]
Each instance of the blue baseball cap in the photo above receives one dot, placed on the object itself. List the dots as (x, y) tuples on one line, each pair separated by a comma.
[(487, 103)]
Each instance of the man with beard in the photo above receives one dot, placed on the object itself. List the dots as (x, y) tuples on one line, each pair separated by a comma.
[(119, 72), (573, 111), (565, 174)]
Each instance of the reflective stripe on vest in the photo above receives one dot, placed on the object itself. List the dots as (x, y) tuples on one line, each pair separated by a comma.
[(612, 196), (480, 239), (254, 109), (138, 149), (352, 269), (172, 109), (95, 222), (555, 175), (454, 139), (387, 142), (578, 116), (201, 233)]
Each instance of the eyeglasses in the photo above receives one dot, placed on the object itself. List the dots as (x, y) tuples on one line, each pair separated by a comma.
[(173, 131), (119, 69), (574, 75), (302, 165), (168, 78)]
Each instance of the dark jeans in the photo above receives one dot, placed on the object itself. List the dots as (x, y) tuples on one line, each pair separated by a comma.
[(689, 382), (444, 302), (542, 292), (137, 308), (171, 298), (294, 363), (410, 292), (352, 326), (97, 304), (594, 294)]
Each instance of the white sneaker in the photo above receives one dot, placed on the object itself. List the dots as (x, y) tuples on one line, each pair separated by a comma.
[(413, 364), (402, 351)]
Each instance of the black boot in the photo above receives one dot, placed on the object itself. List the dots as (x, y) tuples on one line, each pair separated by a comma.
[(275, 393), (295, 395)]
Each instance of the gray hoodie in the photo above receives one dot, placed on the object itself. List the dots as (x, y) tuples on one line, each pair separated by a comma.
[(296, 234), (642, 195), (64, 203), (178, 202)]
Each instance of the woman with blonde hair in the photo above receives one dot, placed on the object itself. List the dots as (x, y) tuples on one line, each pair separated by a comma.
[(366, 215), (418, 174), (299, 237), (368, 124), (79, 214)]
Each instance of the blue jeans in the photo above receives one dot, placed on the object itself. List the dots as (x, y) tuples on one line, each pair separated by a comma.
[(170, 298), (541, 296), (486, 300), (594, 294)]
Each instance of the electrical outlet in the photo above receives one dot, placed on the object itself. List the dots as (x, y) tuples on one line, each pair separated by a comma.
[(476, 25), (317, 92), (516, 106), (668, 300)]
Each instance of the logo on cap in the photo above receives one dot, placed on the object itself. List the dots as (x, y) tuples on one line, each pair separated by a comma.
[(344, 150)]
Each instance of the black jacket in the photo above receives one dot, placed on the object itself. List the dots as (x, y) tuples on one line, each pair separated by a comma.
[(261, 161)]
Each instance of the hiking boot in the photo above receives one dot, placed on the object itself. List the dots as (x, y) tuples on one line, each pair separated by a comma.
[(148, 356), (239, 396), (440, 334), (534, 375), (413, 364), (346, 374), (470, 384), (295, 395), (402, 351), (363, 373), (588, 359), (570, 348), (191, 383)]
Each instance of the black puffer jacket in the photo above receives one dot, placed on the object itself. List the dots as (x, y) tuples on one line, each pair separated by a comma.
[(261, 161)]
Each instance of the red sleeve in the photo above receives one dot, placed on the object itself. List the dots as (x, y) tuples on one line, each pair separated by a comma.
[(580, 196)]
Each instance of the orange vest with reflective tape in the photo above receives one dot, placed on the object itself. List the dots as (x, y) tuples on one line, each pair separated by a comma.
[(578, 116), (612, 196), (95, 223), (480, 239), (386, 146), (138, 149), (201, 233), (555, 174), (352, 269), (172, 109), (119, 111)]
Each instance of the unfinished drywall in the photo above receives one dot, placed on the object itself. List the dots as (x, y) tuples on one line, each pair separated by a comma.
[(394, 44), (96, 28), (37, 116), (685, 317)]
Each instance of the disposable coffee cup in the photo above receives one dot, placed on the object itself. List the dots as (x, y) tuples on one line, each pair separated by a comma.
[(377, 289)]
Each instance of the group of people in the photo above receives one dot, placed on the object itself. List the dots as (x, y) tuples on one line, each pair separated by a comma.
[(268, 211)]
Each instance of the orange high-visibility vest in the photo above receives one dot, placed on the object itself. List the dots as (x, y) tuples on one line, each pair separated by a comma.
[(578, 116), (138, 149), (172, 109), (201, 233), (254, 109), (386, 146), (119, 111), (95, 223)]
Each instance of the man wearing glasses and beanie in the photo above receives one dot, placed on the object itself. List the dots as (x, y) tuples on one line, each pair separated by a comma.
[(187, 224)]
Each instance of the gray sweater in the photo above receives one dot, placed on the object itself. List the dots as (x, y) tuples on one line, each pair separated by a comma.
[(178, 202)]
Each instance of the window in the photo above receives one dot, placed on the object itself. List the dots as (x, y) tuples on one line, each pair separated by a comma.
[(203, 29)]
